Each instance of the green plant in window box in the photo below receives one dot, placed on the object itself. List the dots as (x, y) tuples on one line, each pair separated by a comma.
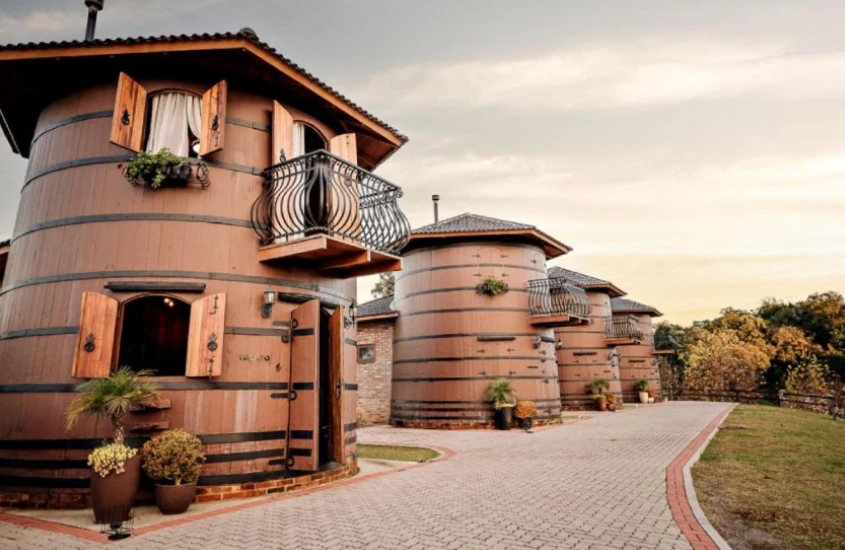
[(492, 286), (155, 169)]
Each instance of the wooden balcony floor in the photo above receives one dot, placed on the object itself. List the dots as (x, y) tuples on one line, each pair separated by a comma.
[(332, 256)]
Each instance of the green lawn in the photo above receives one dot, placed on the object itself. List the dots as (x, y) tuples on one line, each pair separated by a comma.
[(774, 479), (393, 452)]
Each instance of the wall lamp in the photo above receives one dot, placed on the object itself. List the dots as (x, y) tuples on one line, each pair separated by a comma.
[(267, 304)]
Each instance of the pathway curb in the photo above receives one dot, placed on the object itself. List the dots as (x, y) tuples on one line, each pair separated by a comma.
[(680, 491)]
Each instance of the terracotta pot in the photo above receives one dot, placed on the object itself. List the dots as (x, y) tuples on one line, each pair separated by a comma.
[(113, 496), (175, 499), (611, 407), (602, 403), (504, 418), (643, 397)]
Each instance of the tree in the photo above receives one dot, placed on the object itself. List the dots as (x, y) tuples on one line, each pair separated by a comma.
[(792, 349), (811, 378), (722, 360), (749, 328), (385, 285)]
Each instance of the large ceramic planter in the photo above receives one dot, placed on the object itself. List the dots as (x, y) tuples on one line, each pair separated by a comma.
[(601, 402), (175, 499), (113, 496), (504, 418), (643, 397)]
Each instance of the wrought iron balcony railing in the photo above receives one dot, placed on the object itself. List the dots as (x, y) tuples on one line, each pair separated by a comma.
[(319, 193), (557, 297), (623, 327)]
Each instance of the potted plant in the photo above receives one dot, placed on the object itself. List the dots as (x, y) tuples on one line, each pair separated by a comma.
[(525, 412), (651, 396), (503, 397), (598, 386), (492, 286), (611, 402), (174, 459), (158, 169), (641, 385), (116, 467)]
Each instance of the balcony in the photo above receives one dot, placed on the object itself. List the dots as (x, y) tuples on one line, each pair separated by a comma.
[(664, 344), (556, 303), (623, 330), (324, 212)]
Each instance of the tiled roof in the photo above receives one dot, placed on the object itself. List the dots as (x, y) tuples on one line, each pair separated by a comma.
[(584, 281), (379, 306), (245, 34), (624, 305), (466, 223)]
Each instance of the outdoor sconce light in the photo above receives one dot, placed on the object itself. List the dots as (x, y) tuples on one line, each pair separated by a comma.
[(269, 300), (349, 322)]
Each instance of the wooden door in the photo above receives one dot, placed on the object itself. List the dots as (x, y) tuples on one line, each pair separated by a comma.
[(304, 386), (97, 330)]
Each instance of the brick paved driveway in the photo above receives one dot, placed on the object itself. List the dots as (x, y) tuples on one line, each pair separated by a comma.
[(597, 484)]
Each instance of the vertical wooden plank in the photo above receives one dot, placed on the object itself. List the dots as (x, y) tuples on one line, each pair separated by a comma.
[(336, 379), (205, 336), (95, 344), (304, 387), (130, 108), (213, 119), (282, 134)]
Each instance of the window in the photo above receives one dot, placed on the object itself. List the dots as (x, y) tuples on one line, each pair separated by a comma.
[(154, 335), (175, 119), (366, 353), (306, 139)]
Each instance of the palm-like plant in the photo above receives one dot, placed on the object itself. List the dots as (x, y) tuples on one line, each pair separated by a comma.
[(599, 385), (501, 393), (111, 397)]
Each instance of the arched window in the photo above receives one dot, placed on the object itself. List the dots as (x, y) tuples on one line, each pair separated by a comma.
[(306, 139), (154, 335), (175, 121)]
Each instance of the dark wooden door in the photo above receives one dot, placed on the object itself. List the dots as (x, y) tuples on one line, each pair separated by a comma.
[(304, 412)]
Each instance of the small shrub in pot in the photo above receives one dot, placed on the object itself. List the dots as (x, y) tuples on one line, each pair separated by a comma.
[(525, 412), (503, 397), (598, 386), (641, 385), (174, 459)]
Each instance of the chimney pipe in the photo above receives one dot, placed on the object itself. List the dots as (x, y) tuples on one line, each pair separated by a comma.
[(94, 6), (435, 199)]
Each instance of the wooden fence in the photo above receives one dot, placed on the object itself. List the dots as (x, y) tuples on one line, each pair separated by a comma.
[(833, 405)]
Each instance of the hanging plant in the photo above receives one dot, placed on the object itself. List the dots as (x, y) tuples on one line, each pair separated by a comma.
[(492, 286), (154, 169)]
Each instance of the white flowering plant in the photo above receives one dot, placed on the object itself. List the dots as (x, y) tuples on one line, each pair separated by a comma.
[(110, 458)]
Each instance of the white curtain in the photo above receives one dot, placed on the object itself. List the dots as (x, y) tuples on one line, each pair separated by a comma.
[(298, 140), (172, 115)]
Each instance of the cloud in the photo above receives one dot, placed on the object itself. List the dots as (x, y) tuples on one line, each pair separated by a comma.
[(43, 24), (637, 74)]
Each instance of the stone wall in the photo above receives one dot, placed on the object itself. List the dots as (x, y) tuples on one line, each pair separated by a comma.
[(374, 378)]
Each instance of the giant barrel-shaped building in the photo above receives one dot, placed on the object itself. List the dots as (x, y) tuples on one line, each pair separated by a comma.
[(586, 352), (452, 339), (638, 361), (251, 335)]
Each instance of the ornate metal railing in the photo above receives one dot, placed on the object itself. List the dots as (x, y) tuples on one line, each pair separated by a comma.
[(624, 326), (321, 193), (557, 297)]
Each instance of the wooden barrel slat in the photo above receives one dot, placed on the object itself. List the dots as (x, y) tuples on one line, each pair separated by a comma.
[(637, 361)]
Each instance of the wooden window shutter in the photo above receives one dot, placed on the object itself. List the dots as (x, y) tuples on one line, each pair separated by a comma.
[(213, 119), (282, 134), (97, 330), (130, 114), (205, 336), (345, 146)]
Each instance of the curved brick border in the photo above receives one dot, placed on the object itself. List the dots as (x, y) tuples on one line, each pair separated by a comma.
[(328, 484), (681, 494)]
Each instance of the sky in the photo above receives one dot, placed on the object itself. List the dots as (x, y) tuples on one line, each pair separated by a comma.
[(691, 152)]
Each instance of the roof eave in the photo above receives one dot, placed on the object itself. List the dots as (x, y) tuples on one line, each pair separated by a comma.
[(552, 247), (379, 317)]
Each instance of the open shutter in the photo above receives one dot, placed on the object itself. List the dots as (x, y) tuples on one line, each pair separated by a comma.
[(343, 198), (304, 390), (205, 339), (213, 119), (130, 113), (282, 134), (97, 328)]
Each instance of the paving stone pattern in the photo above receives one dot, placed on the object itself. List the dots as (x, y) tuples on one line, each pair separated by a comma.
[(599, 484)]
